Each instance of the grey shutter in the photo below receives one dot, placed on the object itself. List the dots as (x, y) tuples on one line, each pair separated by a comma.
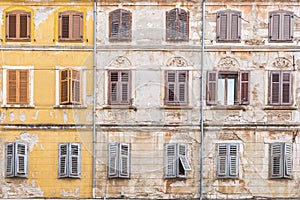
[(244, 78), (212, 83), (170, 87), (113, 158), (113, 87), (235, 26), (286, 88), (222, 161), (182, 158), (274, 26), (222, 26), (182, 87), (63, 160), (233, 160), (21, 159), (74, 160), (124, 160), (170, 160), (125, 30), (276, 161), (287, 26), (275, 87), (124, 91), (281, 25), (114, 24), (10, 160), (288, 160), (183, 27), (171, 17)]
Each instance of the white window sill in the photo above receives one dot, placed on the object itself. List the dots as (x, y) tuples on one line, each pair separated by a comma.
[(119, 107), (70, 106), (179, 107), (280, 107), (17, 106)]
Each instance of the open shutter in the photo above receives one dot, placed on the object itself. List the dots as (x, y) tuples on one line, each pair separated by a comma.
[(182, 160), (286, 88), (244, 78), (113, 158), (170, 160), (233, 160), (124, 160), (171, 87), (10, 160), (63, 160), (75, 89), (276, 165), (74, 160), (235, 26), (222, 161), (64, 86), (21, 159), (211, 93), (23, 86), (124, 92), (275, 88), (77, 26), (288, 160), (182, 87)]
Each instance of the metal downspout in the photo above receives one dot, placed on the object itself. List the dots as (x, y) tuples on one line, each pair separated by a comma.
[(201, 100), (94, 98)]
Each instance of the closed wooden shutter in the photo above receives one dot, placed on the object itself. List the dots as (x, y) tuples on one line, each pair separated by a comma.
[(211, 93), (21, 159), (288, 160), (287, 27), (170, 161), (24, 26), (119, 87), (124, 89), (222, 162), (12, 88), (281, 27), (280, 88), (125, 24), (120, 25), (18, 25), (182, 87), (274, 27), (177, 24), (18, 87), (114, 23), (286, 96), (63, 160), (10, 160), (222, 27), (77, 26), (171, 17), (113, 160), (276, 161), (235, 26), (24, 86), (233, 160), (228, 26), (11, 26), (74, 160), (183, 25), (70, 26), (113, 89), (124, 161), (176, 87), (227, 161), (244, 78)]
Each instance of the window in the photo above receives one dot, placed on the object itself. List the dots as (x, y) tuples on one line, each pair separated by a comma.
[(176, 161), (17, 86), (70, 86), (70, 26), (176, 92), (16, 159), (227, 161), (280, 88), (118, 160), (18, 26), (228, 88), (177, 25), (120, 25), (281, 160), (119, 87), (228, 26), (281, 26), (69, 160)]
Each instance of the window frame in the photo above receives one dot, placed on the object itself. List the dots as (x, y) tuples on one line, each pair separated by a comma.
[(177, 22), (69, 160), (280, 91), (281, 160), (281, 26), (240, 89), (176, 162), (119, 158), (73, 36), (177, 84), (119, 85), (224, 163), (16, 164), (226, 34), (18, 36), (121, 22)]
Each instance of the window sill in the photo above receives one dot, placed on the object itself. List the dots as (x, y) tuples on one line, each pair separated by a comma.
[(70, 106), (179, 107), (17, 106), (280, 108), (223, 107), (130, 107)]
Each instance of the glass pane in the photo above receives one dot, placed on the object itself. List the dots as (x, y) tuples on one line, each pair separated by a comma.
[(230, 91), (221, 91)]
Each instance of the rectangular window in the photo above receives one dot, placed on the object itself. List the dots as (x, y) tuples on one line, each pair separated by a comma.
[(119, 87), (16, 159), (17, 86), (70, 26), (228, 88), (177, 26), (69, 160), (281, 160), (176, 161), (70, 86), (280, 88), (118, 160), (120, 25), (18, 26), (176, 92), (227, 161), (228, 26), (281, 26)]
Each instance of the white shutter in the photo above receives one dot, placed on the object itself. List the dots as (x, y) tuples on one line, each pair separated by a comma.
[(170, 160), (183, 161), (222, 160), (124, 160), (113, 158), (21, 159), (74, 160), (288, 161), (63, 160), (233, 160), (10, 160), (276, 167)]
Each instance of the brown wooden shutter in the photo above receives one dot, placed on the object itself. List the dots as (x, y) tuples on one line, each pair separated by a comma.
[(18, 25), (75, 89), (183, 25), (212, 82), (171, 17), (24, 26), (125, 24), (244, 87), (11, 26), (281, 27), (65, 26), (23, 86), (124, 92), (64, 86), (114, 23), (18, 87), (12, 86), (275, 88), (235, 26), (77, 26)]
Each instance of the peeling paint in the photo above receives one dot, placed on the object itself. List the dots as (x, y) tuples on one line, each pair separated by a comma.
[(76, 118), (42, 14), (31, 139), (70, 193), (22, 117), (65, 117), (35, 117), (12, 116)]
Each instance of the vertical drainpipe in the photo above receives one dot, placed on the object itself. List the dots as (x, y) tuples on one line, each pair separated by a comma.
[(94, 98), (201, 100)]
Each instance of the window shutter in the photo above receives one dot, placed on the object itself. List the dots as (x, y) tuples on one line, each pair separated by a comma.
[(286, 96), (113, 158), (183, 25), (171, 17), (222, 162), (12, 86), (24, 86), (63, 160), (211, 93), (60, 24), (233, 160), (10, 160), (244, 87), (287, 29), (124, 94), (171, 85), (222, 26), (170, 160), (75, 86), (125, 25), (274, 26), (235, 26), (288, 162), (21, 159), (276, 166), (74, 160), (77, 26), (11, 26), (114, 23), (24, 25), (65, 26), (275, 88), (124, 162), (64, 86), (113, 89), (182, 87), (182, 155)]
